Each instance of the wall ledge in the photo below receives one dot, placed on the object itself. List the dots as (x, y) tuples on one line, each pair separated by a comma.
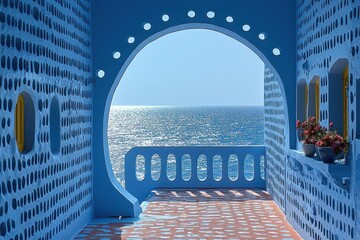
[(339, 171)]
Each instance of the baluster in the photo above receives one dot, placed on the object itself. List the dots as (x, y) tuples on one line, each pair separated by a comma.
[(147, 167), (257, 174), (193, 160), (163, 167), (178, 166), (241, 161), (209, 168), (225, 167)]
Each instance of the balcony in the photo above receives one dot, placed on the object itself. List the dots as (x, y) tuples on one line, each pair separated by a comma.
[(197, 193), (149, 168)]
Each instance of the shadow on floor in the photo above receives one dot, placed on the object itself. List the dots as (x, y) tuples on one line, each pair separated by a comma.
[(199, 214)]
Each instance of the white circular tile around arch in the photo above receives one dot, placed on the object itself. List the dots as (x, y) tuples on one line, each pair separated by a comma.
[(191, 14), (262, 36), (147, 26), (116, 55), (131, 40), (276, 51), (229, 19), (165, 17), (100, 73), (246, 27), (210, 14)]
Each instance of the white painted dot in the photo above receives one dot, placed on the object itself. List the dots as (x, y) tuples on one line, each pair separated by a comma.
[(276, 51), (116, 55), (229, 19), (210, 14), (246, 28), (131, 40), (100, 73), (147, 26), (191, 14), (165, 17), (262, 36)]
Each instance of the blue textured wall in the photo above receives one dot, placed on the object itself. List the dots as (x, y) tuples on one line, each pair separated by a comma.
[(328, 37), (275, 138), (46, 52), (47, 49)]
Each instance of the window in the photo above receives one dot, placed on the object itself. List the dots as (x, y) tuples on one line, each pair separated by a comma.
[(302, 100), (345, 89), (24, 123), (19, 123), (338, 96), (314, 98)]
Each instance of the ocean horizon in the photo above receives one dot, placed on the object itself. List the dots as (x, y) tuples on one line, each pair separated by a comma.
[(132, 126)]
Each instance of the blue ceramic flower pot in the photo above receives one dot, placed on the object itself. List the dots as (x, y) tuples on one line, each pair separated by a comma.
[(309, 149), (326, 154)]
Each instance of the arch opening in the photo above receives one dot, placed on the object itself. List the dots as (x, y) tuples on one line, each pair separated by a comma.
[(302, 91), (25, 123), (339, 87), (117, 160), (314, 98), (102, 107)]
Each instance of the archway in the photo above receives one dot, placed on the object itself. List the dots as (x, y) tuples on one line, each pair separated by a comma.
[(338, 86), (302, 92), (314, 98), (191, 74), (274, 46)]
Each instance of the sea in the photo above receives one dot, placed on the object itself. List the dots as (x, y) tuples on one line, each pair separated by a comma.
[(131, 126)]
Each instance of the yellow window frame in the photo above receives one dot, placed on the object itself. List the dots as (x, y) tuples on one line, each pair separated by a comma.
[(317, 99), (306, 102), (345, 90), (20, 122)]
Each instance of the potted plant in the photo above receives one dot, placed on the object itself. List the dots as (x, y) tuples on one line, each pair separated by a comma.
[(331, 145), (309, 132)]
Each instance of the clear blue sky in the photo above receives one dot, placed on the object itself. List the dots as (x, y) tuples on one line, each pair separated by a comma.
[(193, 68)]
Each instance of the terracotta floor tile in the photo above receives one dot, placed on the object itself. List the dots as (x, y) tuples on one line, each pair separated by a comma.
[(200, 214)]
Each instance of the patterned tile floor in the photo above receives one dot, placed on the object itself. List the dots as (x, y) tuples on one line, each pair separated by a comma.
[(199, 214)]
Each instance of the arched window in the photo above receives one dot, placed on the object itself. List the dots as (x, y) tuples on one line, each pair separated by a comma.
[(338, 96), (345, 100), (302, 100), (19, 123), (314, 98), (24, 123)]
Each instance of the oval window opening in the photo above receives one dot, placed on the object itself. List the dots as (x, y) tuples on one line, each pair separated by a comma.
[(24, 123), (217, 167), (249, 167), (202, 167), (140, 167), (155, 167), (55, 126), (233, 167), (186, 167), (171, 167)]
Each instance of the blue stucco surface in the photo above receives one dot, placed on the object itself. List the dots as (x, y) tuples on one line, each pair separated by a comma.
[(54, 50), (45, 51), (327, 40)]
